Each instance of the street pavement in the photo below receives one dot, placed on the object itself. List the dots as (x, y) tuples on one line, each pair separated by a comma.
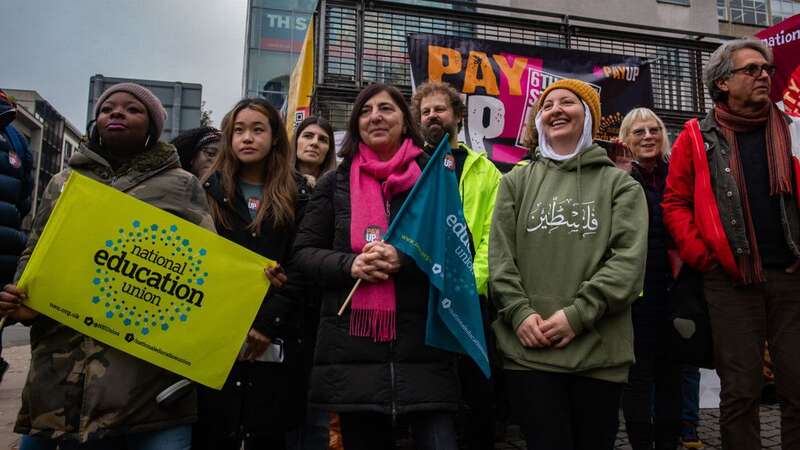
[(16, 351)]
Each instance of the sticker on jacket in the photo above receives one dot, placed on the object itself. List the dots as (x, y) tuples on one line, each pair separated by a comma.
[(563, 216)]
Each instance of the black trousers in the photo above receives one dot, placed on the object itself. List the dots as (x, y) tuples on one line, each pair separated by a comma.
[(558, 411), (652, 399), (481, 396), (375, 431)]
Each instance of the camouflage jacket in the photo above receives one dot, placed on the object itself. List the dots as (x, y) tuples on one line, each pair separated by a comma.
[(81, 389)]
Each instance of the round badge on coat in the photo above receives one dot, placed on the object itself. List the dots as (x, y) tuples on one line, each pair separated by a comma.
[(13, 159), (253, 203), (372, 233)]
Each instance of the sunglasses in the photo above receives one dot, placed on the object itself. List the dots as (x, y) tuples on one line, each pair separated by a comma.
[(755, 70)]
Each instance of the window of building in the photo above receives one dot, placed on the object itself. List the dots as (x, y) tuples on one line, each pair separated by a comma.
[(68, 150), (783, 9), (749, 12), (277, 31), (722, 9), (675, 2)]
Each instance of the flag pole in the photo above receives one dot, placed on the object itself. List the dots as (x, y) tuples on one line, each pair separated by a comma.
[(349, 297)]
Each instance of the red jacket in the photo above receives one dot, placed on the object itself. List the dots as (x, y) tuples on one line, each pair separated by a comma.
[(690, 207)]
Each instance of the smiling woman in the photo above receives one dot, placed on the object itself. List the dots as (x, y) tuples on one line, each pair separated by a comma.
[(651, 401), (563, 322), (339, 241)]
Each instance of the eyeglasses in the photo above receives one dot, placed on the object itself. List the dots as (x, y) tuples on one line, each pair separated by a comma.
[(209, 152), (754, 70), (640, 132)]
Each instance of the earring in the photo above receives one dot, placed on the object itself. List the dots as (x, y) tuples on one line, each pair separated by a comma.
[(100, 140), (147, 141)]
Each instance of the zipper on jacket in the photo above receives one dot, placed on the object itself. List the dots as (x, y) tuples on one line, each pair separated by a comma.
[(698, 136), (393, 382)]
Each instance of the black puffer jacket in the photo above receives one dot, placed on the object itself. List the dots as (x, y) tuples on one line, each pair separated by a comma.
[(15, 192), (259, 399), (355, 374), (658, 275), (651, 313)]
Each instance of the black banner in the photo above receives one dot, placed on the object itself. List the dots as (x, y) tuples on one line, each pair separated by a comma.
[(502, 82)]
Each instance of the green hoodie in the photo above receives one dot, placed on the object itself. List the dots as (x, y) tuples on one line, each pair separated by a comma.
[(569, 235)]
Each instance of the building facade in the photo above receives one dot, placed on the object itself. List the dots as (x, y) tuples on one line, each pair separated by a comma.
[(275, 33), (359, 42), (183, 101), (747, 17), (51, 138)]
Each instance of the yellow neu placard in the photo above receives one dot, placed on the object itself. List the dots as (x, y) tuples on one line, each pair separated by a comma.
[(145, 281)]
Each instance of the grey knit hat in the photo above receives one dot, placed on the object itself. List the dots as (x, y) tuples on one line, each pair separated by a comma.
[(153, 105)]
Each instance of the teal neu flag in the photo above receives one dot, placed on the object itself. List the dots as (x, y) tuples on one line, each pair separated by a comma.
[(430, 228)]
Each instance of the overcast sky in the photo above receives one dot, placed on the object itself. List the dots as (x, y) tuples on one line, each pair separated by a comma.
[(55, 46)]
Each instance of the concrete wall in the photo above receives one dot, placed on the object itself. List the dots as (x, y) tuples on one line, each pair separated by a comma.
[(700, 16), (737, 29)]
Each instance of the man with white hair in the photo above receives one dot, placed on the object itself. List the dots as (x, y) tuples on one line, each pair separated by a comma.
[(732, 206)]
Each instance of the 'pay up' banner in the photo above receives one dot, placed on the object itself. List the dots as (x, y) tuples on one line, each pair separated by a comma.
[(145, 281)]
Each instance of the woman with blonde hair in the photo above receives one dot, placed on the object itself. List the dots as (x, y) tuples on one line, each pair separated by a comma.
[(652, 400)]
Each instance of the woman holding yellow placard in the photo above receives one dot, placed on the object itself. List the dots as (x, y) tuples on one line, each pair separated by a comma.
[(256, 199), (80, 391)]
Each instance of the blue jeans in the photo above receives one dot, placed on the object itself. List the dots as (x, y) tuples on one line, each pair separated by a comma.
[(36, 443), (691, 394), (312, 434), (177, 438)]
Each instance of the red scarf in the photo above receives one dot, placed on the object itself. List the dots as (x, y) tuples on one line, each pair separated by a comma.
[(779, 160), (373, 184)]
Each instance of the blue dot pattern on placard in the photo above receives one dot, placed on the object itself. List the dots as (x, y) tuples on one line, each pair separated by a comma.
[(120, 304)]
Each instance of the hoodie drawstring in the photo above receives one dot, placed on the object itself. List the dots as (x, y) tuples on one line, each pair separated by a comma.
[(580, 200)]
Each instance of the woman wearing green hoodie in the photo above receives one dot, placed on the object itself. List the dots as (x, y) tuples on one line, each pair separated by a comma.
[(566, 256)]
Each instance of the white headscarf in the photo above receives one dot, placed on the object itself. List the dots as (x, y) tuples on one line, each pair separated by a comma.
[(583, 142)]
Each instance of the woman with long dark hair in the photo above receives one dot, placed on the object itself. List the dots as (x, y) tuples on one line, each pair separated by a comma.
[(256, 202), (314, 149), (371, 365)]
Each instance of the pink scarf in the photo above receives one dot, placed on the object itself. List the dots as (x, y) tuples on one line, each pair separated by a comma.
[(373, 184)]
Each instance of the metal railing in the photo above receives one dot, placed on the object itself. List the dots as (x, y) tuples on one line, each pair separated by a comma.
[(361, 42)]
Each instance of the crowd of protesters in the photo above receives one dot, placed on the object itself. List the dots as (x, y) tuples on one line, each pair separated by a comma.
[(606, 273)]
